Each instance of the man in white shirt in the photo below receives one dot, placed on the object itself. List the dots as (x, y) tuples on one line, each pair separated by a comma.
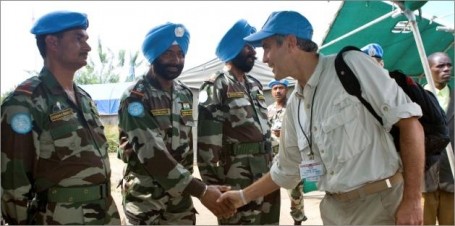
[(328, 136)]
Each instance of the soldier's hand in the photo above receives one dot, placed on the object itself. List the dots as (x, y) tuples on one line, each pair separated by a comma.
[(125, 146), (231, 198), (223, 210), (276, 133)]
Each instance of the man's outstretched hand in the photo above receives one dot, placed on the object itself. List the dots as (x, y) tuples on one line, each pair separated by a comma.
[(233, 199), (209, 200)]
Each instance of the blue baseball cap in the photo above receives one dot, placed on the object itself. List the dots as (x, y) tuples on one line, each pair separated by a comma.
[(59, 21), (275, 82), (373, 50), (282, 23), (160, 38), (232, 42)]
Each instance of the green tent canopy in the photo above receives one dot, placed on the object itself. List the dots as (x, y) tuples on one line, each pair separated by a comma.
[(393, 33)]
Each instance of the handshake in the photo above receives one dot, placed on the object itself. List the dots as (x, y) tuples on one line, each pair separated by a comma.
[(222, 202)]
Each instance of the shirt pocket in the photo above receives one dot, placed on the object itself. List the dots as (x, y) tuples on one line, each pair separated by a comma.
[(344, 134), (240, 112), (259, 99), (68, 135)]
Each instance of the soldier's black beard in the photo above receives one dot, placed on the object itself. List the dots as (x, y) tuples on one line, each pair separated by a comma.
[(163, 70), (242, 63)]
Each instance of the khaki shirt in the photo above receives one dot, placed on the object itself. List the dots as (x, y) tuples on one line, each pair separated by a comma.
[(352, 145)]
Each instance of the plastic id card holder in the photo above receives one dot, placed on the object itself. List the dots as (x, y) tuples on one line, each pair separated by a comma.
[(310, 171)]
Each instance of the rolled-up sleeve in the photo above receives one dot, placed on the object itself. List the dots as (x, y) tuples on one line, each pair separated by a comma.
[(285, 171), (388, 99)]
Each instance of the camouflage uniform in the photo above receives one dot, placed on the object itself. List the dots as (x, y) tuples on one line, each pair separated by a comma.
[(234, 143), (275, 117), (58, 149), (158, 176)]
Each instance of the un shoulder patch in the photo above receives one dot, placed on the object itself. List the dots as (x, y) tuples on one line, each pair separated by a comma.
[(135, 109), (203, 96), (21, 123)]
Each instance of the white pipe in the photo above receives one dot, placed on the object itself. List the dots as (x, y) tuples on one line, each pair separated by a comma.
[(418, 39), (377, 20), (451, 158), (426, 68)]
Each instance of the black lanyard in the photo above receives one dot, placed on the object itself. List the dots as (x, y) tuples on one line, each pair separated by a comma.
[(310, 138)]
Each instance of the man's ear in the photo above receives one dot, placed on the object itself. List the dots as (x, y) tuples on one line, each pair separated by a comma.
[(291, 40), (51, 41)]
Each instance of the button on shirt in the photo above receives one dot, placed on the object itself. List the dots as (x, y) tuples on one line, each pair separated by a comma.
[(353, 146)]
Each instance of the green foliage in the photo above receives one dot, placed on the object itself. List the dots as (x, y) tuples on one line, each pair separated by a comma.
[(103, 67), (111, 132), (4, 95)]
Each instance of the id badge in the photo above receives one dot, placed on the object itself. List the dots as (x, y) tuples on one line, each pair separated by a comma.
[(311, 170)]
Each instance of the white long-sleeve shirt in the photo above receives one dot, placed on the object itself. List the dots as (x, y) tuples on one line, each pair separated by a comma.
[(353, 146)]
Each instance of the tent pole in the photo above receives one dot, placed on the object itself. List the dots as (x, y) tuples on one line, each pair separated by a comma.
[(426, 68), (377, 20)]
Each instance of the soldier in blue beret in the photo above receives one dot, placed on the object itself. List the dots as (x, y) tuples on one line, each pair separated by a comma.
[(276, 112), (234, 145), (53, 144), (156, 121), (329, 139), (375, 51)]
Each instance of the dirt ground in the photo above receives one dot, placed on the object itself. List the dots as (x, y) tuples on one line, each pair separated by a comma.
[(205, 217)]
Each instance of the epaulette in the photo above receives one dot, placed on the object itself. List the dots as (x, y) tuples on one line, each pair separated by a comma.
[(214, 77), (28, 86), (85, 93), (256, 80), (184, 86), (138, 90)]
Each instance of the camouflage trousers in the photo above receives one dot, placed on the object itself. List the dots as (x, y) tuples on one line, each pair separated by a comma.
[(145, 202), (297, 206), (241, 171), (96, 212), (295, 195)]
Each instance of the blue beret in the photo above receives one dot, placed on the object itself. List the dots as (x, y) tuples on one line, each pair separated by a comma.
[(275, 82), (373, 50), (59, 21), (160, 38), (282, 23), (232, 42)]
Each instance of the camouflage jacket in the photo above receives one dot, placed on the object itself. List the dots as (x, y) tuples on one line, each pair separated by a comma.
[(275, 116), (48, 141), (158, 125), (228, 113)]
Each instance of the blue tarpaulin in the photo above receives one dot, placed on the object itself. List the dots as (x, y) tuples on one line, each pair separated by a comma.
[(107, 96)]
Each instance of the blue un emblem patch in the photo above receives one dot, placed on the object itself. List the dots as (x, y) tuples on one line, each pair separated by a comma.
[(21, 123), (135, 109)]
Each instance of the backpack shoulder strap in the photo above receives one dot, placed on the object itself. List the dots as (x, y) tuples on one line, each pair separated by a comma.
[(350, 82)]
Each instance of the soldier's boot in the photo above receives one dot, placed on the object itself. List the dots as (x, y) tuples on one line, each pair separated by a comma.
[(299, 222)]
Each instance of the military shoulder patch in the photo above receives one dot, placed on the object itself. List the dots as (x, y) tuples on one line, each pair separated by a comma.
[(28, 86), (203, 96), (135, 109), (138, 90), (21, 123)]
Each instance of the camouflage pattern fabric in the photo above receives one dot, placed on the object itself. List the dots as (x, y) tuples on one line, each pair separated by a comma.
[(158, 176), (229, 114), (50, 143), (275, 117)]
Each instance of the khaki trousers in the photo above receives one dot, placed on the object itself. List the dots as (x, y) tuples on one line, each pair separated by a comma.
[(438, 205), (373, 209)]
